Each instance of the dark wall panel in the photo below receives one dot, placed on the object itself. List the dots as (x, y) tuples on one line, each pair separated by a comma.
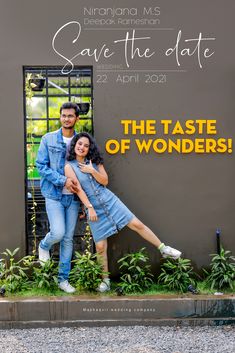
[(184, 198)]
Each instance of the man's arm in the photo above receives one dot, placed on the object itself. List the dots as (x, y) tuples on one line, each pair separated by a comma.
[(43, 166)]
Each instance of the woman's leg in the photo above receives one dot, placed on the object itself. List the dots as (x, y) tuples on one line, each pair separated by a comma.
[(145, 232), (101, 249)]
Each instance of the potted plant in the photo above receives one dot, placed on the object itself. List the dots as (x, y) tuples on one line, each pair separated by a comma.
[(37, 82), (83, 108)]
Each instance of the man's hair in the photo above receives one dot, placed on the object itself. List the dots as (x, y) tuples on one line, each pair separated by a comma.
[(70, 105)]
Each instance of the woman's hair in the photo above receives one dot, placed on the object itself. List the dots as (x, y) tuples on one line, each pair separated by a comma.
[(93, 153)]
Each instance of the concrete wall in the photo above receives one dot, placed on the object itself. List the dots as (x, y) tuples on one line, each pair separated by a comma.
[(183, 198)]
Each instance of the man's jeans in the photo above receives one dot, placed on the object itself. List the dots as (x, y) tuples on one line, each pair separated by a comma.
[(62, 217)]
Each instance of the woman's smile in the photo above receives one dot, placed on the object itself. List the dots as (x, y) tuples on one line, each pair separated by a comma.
[(82, 147)]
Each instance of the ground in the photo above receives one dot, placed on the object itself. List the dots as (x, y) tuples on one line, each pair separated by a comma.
[(132, 339)]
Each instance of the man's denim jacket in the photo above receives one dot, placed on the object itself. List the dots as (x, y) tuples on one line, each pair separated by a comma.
[(50, 164)]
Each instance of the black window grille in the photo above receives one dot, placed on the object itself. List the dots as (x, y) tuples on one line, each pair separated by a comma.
[(46, 89)]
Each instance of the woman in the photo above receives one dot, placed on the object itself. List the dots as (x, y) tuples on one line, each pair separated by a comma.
[(106, 212)]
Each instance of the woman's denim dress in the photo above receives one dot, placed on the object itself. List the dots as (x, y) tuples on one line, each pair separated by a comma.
[(112, 214)]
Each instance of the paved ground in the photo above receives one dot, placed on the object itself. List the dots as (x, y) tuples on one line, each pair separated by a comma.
[(137, 339)]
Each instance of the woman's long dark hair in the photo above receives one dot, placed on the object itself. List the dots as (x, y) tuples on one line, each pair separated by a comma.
[(93, 154)]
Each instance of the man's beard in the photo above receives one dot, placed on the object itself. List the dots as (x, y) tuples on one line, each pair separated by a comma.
[(69, 127)]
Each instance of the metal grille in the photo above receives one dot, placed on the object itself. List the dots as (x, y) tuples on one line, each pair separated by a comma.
[(41, 117)]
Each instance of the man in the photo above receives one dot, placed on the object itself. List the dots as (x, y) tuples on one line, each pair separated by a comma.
[(62, 206)]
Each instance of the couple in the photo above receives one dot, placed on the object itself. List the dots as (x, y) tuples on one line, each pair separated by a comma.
[(71, 165)]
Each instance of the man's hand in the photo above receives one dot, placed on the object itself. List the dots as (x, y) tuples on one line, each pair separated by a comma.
[(71, 185)]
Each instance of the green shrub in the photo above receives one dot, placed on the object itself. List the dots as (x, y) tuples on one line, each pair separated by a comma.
[(135, 273), (176, 274), (14, 273), (2, 268), (87, 272), (45, 276), (222, 271)]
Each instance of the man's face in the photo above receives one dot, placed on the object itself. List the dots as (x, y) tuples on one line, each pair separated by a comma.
[(68, 118)]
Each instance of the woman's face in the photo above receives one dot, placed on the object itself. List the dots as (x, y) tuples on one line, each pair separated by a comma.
[(82, 147)]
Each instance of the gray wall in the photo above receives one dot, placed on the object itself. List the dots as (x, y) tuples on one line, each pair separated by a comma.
[(183, 198)]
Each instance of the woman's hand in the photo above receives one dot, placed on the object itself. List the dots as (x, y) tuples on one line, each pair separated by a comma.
[(87, 168), (92, 216)]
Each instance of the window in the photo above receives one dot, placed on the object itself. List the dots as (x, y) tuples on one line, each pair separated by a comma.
[(46, 89)]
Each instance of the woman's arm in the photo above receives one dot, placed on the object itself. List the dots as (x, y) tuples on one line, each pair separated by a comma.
[(100, 175), (69, 172)]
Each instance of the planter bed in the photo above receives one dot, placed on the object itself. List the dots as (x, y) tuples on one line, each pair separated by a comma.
[(96, 310)]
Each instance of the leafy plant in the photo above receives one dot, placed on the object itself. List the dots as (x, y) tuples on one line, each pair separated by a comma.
[(45, 276), (222, 272), (2, 271), (87, 271), (2, 267), (30, 170), (135, 273), (14, 275), (176, 274)]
